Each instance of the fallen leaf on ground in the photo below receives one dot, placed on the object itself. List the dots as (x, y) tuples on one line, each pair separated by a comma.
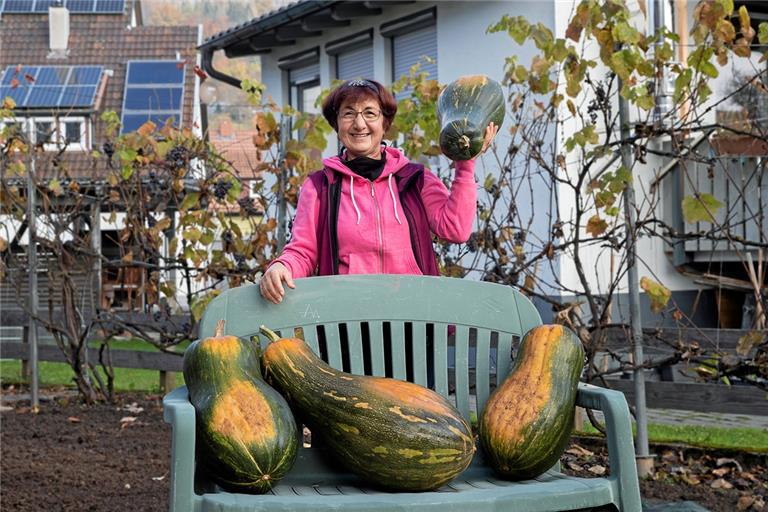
[(597, 469), (690, 479), (745, 502), (721, 484), (133, 408), (574, 466), (127, 420), (579, 451), (721, 471)]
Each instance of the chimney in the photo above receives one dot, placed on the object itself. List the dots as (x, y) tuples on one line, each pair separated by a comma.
[(58, 29)]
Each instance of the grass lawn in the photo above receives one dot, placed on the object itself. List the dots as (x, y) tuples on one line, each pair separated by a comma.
[(60, 374), (744, 439)]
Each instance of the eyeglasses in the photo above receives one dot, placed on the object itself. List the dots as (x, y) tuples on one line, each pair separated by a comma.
[(369, 114)]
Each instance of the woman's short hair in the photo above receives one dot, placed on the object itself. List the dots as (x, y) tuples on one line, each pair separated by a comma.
[(355, 90)]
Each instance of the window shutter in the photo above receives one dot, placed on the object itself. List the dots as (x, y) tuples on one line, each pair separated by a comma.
[(305, 74), (357, 63), (411, 47)]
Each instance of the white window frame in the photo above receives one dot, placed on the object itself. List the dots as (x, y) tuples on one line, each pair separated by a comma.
[(48, 146), (85, 142), (23, 121), (29, 129)]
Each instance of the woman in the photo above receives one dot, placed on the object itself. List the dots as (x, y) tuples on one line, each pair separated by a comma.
[(370, 210)]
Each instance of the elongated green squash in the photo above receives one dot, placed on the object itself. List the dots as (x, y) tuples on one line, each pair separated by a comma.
[(527, 421), (464, 109), (246, 434), (392, 433)]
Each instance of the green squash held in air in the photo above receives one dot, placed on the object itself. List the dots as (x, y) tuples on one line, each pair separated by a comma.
[(465, 108)]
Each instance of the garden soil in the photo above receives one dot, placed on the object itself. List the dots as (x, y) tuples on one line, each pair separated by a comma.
[(71, 457)]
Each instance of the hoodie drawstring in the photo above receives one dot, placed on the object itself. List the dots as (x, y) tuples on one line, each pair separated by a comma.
[(392, 193), (352, 193)]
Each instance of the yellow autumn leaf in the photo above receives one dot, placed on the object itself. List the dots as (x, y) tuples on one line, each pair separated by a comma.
[(658, 294)]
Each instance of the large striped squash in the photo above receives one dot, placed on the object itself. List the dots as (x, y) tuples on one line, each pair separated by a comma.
[(246, 435), (464, 109), (527, 421), (392, 433)]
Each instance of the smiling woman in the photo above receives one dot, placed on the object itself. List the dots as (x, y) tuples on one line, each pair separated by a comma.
[(370, 210)]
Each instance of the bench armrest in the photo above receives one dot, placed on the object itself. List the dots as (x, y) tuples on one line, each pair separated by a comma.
[(179, 412), (621, 448)]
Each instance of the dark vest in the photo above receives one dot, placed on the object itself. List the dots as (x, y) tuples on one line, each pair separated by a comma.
[(410, 180)]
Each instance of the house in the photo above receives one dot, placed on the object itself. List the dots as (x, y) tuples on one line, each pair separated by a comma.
[(64, 63), (305, 45)]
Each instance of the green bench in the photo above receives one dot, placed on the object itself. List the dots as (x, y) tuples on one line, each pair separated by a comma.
[(409, 327)]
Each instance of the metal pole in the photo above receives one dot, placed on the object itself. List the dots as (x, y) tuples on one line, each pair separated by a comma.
[(282, 209), (643, 460), (33, 298)]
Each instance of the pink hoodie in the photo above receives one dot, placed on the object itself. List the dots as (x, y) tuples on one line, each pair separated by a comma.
[(372, 229)]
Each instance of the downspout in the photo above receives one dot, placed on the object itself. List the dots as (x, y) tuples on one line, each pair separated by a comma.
[(207, 56)]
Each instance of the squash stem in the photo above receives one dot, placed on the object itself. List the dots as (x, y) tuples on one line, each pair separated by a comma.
[(270, 334), (219, 331), (464, 142)]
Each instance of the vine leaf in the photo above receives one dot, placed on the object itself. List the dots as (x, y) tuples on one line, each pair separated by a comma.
[(700, 208), (596, 226), (658, 294), (749, 340)]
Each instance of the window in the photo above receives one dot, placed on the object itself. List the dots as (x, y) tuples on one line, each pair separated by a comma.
[(73, 131), (354, 56), (303, 70), (154, 91), (355, 64), (44, 133), (52, 133), (15, 127), (414, 40)]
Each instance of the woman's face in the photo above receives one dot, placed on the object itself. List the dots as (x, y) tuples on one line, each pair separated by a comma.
[(361, 127)]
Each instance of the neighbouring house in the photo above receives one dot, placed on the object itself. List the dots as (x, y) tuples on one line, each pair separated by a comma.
[(236, 147), (305, 45), (64, 63)]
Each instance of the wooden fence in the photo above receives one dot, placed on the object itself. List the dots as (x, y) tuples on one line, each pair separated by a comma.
[(686, 395)]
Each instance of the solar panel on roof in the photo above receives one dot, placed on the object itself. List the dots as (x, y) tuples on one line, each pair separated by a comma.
[(80, 5), (155, 72), (42, 5), (75, 6), (18, 6), (110, 5), (51, 86), (154, 91)]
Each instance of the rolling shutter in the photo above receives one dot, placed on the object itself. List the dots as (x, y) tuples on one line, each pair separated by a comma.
[(357, 63), (305, 74), (411, 47)]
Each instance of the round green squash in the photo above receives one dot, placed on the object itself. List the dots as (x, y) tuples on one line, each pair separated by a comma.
[(465, 108), (527, 421), (247, 437), (394, 434)]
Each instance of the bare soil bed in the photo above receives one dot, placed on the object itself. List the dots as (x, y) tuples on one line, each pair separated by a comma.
[(71, 457)]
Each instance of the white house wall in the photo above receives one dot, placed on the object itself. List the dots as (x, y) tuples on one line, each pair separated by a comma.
[(463, 48)]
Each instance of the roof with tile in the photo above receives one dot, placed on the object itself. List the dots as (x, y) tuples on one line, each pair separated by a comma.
[(100, 39), (237, 147)]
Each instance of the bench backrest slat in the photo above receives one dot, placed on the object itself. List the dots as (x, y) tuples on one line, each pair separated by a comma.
[(453, 335)]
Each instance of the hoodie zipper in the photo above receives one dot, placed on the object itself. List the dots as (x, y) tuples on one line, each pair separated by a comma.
[(378, 228)]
